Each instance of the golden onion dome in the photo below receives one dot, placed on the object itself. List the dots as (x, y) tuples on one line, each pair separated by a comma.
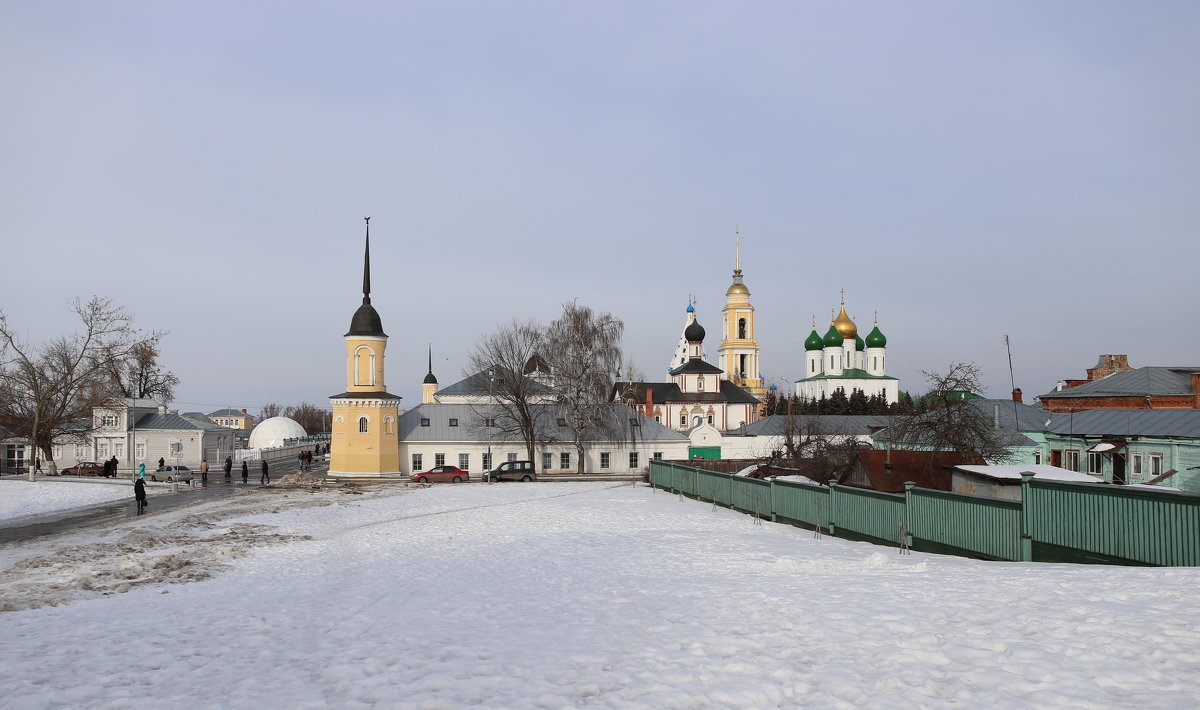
[(737, 287), (844, 325)]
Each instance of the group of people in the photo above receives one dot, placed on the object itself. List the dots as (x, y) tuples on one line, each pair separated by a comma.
[(110, 468), (306, 459), (228, 468)]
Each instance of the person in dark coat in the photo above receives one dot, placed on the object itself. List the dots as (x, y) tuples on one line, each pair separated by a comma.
[(266, 477), (161, 462), (245, 473), (228, 467), (107, 468), (139, 493)]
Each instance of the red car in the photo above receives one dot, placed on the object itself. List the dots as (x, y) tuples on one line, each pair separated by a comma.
[(83, 468), (453, 474)]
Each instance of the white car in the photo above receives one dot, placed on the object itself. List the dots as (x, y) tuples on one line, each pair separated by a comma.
[(173, 474)]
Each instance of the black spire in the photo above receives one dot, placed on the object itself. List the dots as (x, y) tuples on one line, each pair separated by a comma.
[(366, 319), (367, 264), (430, 379)]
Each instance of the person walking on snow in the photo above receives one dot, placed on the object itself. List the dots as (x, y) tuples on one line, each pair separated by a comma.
[(37, 465), (139, 491), (266, 477), (245, 473), (228, 468), (204, 471)]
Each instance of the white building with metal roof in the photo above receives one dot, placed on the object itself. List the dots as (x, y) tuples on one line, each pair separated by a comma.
[(459, 434)]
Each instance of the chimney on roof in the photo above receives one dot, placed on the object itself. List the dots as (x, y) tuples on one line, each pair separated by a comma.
[(243, 411), (1017, 395), (1196, 389), (649, 400)]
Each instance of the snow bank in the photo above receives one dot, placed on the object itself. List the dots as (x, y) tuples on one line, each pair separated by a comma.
[(569, 595), (23, 498)]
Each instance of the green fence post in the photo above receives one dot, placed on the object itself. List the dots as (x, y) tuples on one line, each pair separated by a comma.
[(908, 494), (1026, 551), (832, 508)]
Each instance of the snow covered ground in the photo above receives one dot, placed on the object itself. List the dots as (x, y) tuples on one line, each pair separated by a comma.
[(20, 498), (564, 595)]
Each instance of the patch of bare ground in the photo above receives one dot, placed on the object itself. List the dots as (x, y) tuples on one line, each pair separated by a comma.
[(178, 547)]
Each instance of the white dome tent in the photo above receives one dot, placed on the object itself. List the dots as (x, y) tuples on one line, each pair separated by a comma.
[(270, 433)]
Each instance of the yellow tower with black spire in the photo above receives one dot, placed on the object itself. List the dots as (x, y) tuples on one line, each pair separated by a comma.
[(365, 442), (738, 354)]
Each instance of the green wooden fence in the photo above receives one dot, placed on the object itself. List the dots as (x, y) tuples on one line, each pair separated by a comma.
[(950, 522), (1054, 521)]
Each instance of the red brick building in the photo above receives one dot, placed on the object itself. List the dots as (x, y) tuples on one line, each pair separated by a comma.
[(1113, 384)]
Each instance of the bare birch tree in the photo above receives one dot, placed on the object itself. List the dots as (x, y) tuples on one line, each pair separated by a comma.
[(46, 388), (948, 420), (495, 365), (583, 349), (139, 376)]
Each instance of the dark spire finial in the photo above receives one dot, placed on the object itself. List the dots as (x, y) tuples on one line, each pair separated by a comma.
[(367, 264), (431, 358)]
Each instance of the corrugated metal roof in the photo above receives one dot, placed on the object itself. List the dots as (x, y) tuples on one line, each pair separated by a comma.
[(175, 422), (481, 383), (469, 425), (1142, 381), (846, 424), (1183, 423)]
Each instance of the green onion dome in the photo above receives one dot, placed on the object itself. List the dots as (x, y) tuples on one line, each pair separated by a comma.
[(858, 343), (833, 338), (813, 341), (875, 339)]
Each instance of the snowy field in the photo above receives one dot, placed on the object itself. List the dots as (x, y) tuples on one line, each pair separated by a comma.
[(564, 595), (20, 498)]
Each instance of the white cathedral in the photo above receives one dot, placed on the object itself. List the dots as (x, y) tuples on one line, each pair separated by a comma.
[(843, 360)]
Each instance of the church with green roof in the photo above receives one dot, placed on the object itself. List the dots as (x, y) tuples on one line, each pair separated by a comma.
[(843, 360)]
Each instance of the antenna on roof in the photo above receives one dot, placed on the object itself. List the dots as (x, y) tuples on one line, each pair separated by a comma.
[(1012, 380)]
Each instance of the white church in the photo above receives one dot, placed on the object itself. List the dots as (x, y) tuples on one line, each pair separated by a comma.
[(843, 360)]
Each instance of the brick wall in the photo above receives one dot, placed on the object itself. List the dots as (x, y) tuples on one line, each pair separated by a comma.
[(1080, 404)]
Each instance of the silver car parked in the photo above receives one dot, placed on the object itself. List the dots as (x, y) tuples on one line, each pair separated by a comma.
[(173, 474)]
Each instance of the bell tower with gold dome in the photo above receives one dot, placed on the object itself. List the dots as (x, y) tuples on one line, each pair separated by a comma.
[(365, 442), (738, 354)]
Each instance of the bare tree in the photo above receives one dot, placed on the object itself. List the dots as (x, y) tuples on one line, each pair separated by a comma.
[(496, 366), (139, 376), (46, 389), (948, 420), (270, 409), (583, 349), (314, 419)]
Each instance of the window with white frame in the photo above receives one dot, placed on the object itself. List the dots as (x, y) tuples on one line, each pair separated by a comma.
[(512, 457), (102, 451), (119, 449), (417, 463), (1137, 469), (464, 462), (547, 461), (603, 459), (1037, 456), (80, 451), (1071, 459), (657, 455), (487, 461), (564, 460), (1156, 465), (176, 449), (683, 419), (57, 451), (141, 449), (633, 460), (439, 459), (1095, 463)]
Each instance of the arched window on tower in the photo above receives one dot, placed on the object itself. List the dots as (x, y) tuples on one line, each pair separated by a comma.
[(362, 425), (364, 366), (741, 328)]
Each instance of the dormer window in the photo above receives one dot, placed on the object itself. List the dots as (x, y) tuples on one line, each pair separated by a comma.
[(453, 422), (424, 421)]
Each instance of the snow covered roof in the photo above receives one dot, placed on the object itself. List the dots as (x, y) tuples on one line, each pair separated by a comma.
[(1040, 471)]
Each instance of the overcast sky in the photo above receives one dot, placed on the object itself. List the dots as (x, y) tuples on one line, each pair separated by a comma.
[(968, 169)]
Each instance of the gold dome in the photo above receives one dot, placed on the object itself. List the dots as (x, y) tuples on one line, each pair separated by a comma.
[(737, 287), (844, 325)]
